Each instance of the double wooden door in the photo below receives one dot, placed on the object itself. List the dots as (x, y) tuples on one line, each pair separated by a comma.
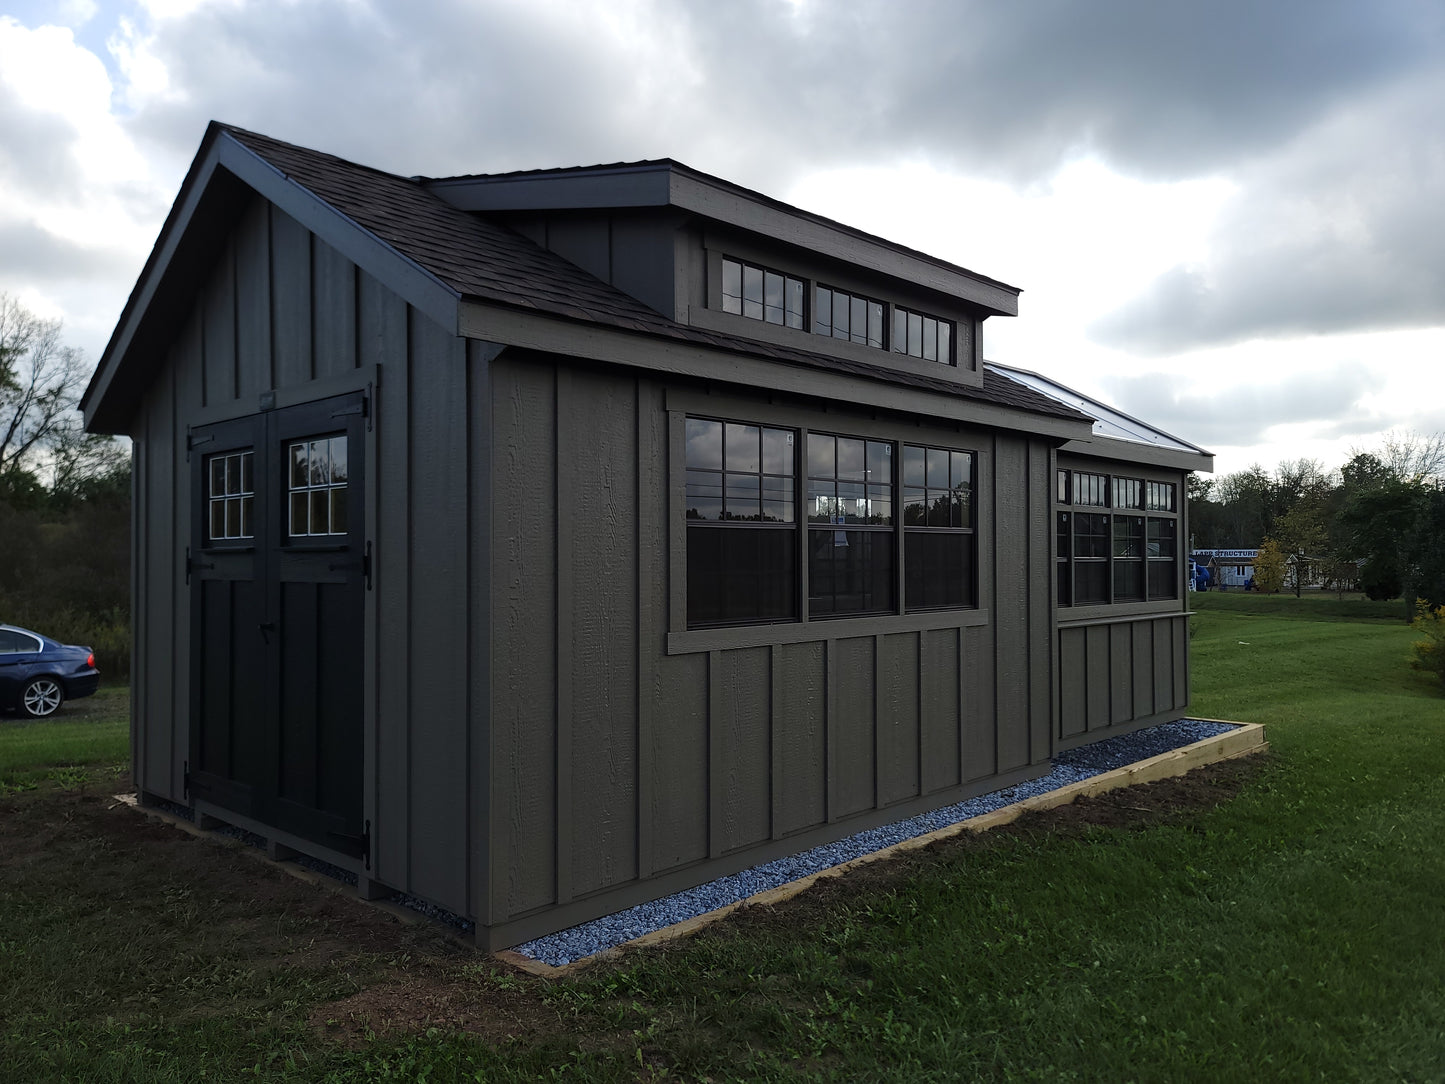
[(278, 572)]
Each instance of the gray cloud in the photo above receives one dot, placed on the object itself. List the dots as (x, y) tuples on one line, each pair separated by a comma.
[(1323, 111), (36, 151), (37, 256), (1222, 409), (1166, 90), (1336, 232)]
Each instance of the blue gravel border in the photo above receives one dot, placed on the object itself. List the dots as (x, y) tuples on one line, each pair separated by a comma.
[(1084, 762)]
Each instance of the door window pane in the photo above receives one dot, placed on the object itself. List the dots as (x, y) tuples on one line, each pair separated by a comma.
[(314, 481), (230, 497)]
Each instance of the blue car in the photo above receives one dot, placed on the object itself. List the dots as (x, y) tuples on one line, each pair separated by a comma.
[(38, 674)]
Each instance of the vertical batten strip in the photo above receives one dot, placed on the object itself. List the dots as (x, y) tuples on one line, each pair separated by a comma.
[(879, 752), (775, 728), (714, 755), (563, 632), (830, 728), (649, 493)]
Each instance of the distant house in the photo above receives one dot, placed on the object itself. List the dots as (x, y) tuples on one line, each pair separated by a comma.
[(540, 543), (1229, 568)]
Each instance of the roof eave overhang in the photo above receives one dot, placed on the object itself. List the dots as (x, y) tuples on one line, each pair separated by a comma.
[(665, 183), (550, 334), (221, 177), (1129, 451)]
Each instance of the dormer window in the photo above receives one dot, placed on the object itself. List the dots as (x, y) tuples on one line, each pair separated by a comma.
[(847, 316), (922, 336), (761, 294)]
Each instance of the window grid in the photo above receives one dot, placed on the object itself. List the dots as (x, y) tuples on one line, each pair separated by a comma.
[(744, 486), (317, 487), (1128, 493), (848, 316), (741, 522), (760, 293), (231, 497), (851, 536), (1123, 556), (1160, 497), (938, 527), (774, 297), (922, 336)]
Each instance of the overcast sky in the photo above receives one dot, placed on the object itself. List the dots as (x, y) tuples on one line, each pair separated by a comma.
[(1226, 218)]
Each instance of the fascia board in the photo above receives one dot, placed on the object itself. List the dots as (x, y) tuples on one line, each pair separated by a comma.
[(221, 151), (418, 286), (554, 335), (590, 190), (173, 230), (663, 184), (1147, 454), (699, 196)]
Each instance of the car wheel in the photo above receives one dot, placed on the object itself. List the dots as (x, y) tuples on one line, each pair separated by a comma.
[(41, 698)]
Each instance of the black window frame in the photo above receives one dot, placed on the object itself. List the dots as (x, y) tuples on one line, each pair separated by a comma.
[(889, 325), (853, 549), (243, 498), (732, 538), (764, 273), (1112, 546), (939, 524), (871, 512)]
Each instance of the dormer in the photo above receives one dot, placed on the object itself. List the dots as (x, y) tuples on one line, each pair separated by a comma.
[(716, 256)]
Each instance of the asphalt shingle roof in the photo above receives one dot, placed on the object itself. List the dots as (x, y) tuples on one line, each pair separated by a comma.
[(483, 260)]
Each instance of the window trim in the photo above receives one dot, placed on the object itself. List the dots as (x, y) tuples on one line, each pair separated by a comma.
[(672, 525), (706, 311), (1066, 564)]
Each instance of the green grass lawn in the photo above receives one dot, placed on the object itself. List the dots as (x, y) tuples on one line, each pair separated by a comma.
[(88, 738), (1291, 931)]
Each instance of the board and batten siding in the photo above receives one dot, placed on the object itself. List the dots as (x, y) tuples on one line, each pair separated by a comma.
[(624, 768), (1120, 674), (282, 312)]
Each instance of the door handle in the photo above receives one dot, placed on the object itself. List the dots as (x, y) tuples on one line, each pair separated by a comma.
[(266, 629)]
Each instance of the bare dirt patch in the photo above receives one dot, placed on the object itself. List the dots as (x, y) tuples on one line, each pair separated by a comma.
[(183, 907)]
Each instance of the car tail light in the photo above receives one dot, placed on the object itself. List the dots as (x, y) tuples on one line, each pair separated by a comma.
[(90, 660)]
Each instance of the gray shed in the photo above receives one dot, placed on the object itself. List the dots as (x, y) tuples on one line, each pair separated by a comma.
[(541, 543)]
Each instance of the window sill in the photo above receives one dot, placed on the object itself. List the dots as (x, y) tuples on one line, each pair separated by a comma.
[(1070, 616), (695, 641)]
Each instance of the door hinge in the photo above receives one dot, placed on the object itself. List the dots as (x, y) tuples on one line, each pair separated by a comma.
[(193, 441), (351, 411), (186, 780), (366, 564), (358, 845), (192, 565)]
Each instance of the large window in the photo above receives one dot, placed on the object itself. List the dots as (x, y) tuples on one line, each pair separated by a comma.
[(937, 527), (741, 523), (1111, 542), (748, 490), (850, 525)]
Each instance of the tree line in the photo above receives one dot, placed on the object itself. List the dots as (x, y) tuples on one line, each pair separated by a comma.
[(1376, 523), (64, 498)]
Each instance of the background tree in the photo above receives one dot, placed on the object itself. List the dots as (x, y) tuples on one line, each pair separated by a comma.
[(1269, 567), (40, 384), (64, 497)]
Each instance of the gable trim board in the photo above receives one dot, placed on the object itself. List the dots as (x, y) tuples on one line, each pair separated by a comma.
[(546, 737)]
